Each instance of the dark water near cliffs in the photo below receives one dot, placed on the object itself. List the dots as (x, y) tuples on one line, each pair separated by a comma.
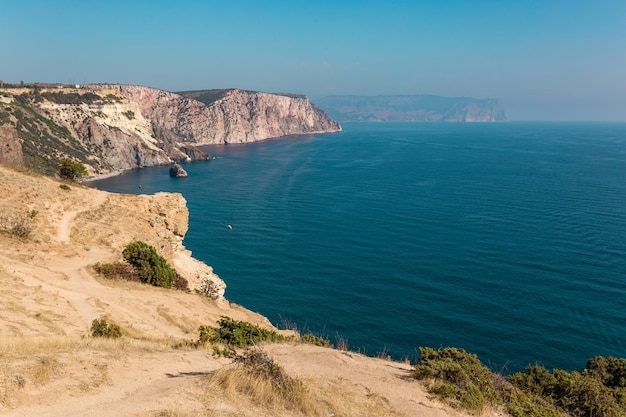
[(508, 240)]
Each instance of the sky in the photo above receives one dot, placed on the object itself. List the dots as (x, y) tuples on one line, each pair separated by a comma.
[(543, 59)]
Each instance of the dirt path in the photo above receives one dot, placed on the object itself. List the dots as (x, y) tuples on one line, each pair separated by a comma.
[(94, 384), (64, 227)]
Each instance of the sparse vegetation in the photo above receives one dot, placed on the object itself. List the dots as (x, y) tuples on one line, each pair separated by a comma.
[(208, 288), (60, 97), (151, 267), (100, 328), (65, 187), (18, 224), (130, 114)]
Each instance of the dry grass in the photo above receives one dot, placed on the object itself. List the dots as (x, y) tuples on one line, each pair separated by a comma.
[(36, 360), (256, 395), (266, 390), (43, 369), (173, 413)]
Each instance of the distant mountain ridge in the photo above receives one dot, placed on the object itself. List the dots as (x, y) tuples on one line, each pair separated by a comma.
[(411, 108)]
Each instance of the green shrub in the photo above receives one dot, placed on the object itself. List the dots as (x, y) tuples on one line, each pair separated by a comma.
[(151, 267), (461, 380), (311, 339), (459, 377), (130, 114), (100, 328), (65, 187), (71, 170), (598, 391), (236, 333)]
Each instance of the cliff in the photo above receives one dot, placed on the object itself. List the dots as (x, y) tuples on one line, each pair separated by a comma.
[(412, 108), (115, 127)]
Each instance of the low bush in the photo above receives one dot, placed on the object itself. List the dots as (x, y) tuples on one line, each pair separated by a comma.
[(65, 187), (117, 270), (458, 376), (18, 224), (100, 328), (180, 283), (152, 268), (260, 364), (311, 339), (460, 379), (598, 391), (208, 288), (234, 333)]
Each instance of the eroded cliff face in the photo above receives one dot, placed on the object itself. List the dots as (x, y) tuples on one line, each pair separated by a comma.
[(237, 117), (117, 127)]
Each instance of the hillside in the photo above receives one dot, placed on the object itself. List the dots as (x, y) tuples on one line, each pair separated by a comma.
[(50, 365), (116, 127), (411, 108)]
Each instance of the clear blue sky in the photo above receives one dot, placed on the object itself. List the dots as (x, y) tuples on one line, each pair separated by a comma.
[(544, 59)]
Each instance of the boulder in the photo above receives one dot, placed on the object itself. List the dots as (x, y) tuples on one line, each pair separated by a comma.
[(177, 171)]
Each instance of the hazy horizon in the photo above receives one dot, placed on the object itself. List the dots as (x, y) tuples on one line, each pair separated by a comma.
[(553, 60)]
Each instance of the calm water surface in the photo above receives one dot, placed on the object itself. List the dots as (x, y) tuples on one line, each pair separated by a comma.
[(508, 240)]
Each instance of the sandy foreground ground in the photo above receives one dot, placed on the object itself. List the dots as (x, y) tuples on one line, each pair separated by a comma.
[(49, 295)]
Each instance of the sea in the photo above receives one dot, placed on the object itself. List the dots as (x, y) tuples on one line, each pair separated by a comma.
[(507, 239)]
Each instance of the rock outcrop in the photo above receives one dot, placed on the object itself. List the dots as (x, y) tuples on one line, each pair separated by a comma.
[(412, 108), (10, 146), (116, 127), (176, 171)]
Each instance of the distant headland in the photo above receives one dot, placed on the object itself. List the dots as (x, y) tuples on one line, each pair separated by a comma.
[(412, 108)]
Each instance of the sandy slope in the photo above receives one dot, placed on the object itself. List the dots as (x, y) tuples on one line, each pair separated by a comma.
[(50, 366)]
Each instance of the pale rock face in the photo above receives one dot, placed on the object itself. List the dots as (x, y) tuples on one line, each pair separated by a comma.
[(160, 220), (171, 224), (238, 117), (10, 147)]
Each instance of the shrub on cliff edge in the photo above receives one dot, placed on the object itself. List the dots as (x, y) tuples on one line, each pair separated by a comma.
[(151, 267)]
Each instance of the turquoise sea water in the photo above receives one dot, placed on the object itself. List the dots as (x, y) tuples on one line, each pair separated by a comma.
[(508, 240)]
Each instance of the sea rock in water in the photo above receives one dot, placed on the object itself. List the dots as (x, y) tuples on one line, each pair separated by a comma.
[(177, 171)]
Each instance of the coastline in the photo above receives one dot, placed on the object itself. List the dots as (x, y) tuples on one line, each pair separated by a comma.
[(102, 176)]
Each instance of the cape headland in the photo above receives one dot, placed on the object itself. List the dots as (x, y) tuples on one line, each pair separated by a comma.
[(113, 127)]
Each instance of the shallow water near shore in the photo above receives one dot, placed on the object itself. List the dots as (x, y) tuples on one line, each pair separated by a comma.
[(508, 240)]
